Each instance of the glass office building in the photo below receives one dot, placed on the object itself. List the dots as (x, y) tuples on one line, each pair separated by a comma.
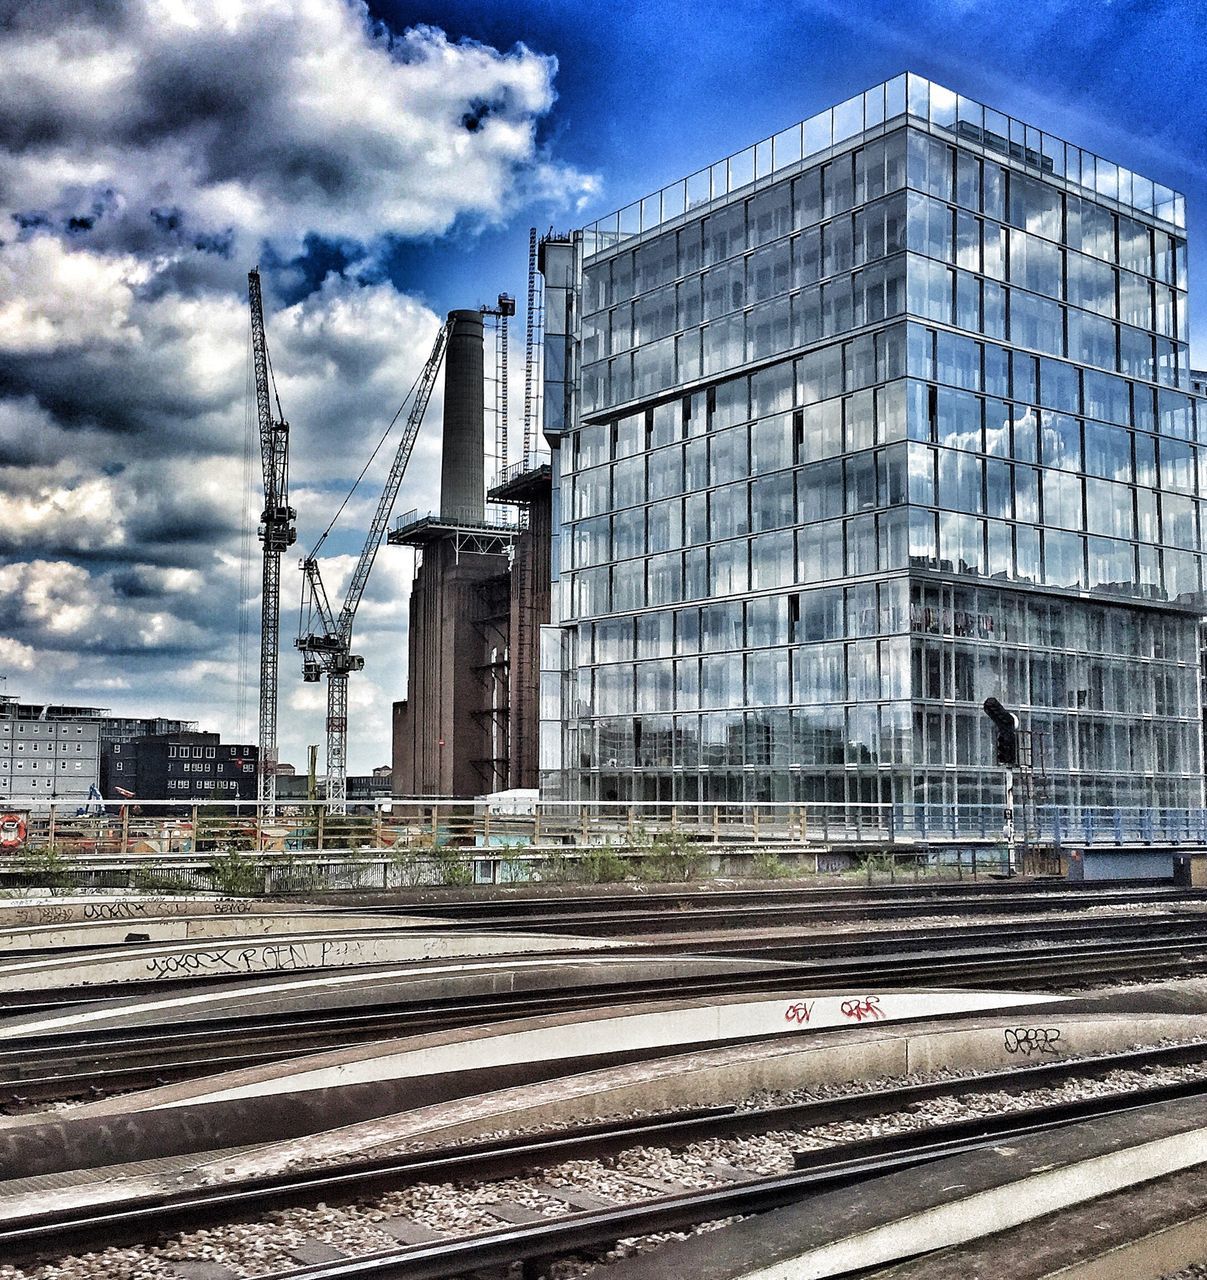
[(880, 417)]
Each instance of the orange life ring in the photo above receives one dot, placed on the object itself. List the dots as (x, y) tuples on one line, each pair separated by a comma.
[(12, 831)]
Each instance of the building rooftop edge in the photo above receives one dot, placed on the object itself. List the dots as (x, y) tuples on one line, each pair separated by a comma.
[(904, 95)]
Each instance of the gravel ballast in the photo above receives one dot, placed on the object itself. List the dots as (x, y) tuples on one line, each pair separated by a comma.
[(280, 1240)]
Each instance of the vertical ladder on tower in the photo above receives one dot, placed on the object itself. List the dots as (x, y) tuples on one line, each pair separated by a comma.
[(501, 340), (534, 323)]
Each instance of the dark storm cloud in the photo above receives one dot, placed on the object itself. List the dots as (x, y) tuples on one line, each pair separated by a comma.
[(149, 154)]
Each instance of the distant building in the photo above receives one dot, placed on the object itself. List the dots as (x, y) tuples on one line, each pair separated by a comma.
[(1198, 388), (117, 765), (371, 786), (48, 753), (292, 787), (185, 766), (363, 788)]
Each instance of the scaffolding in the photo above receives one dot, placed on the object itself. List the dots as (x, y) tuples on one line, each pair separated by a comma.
[(491, 623)]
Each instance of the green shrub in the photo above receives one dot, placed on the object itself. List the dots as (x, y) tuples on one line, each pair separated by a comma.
[(769, 866), (236, 873), (603, 866), (673, 856), (452, 869), (869, 864), (45, 866), (151, 880), (557, 868)]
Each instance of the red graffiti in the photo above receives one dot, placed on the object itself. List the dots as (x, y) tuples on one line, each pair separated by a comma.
[(800, 1012), (868, 1007)]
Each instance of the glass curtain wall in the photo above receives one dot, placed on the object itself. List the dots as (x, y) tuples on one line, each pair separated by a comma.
[(855, 449)]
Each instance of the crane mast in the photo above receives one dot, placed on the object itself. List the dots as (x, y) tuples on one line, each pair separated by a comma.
[(327, 644), (278, 533)]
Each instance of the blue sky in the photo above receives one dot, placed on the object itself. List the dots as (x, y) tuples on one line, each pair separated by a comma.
[(649, 92), (151, 152)]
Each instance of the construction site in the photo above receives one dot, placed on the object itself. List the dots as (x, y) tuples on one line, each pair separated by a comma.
[(468, 725)]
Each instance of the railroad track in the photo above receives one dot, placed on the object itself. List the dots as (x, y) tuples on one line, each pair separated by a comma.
[(73, 1228), (88, 1065), (901, 894), (1026, 930), (602, 915)]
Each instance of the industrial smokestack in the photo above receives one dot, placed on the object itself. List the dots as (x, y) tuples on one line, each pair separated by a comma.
[(463, 452)]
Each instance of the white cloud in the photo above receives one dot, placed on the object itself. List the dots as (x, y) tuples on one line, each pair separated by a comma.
[(149, 151), (275, 119), (15, 656)]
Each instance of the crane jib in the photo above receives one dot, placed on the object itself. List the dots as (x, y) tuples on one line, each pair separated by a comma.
[(327, 648)]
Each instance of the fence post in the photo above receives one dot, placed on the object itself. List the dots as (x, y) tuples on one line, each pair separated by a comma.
[(126, 828), (322, 808), (50, 827), (536, 824), (377, 838)]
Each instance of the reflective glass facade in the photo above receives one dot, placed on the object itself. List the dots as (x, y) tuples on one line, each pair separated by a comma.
[(898, 425)]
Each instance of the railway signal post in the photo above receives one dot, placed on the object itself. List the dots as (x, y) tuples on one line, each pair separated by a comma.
[(1006, 751)]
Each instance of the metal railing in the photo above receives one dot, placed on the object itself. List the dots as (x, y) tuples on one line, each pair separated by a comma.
[(237, 847), (455, 518), (526, 466), (174, 826)]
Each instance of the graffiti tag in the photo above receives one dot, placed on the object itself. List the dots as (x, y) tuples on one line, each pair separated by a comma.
[(273, 957), (858, 1010), (1029, 1040)]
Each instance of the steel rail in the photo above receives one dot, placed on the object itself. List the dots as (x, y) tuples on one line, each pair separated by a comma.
[(47, 999), (595, 1229), (904, 892), (653, 919), (811, 959), (1036, 926), (54, 1233), (183, 1052)]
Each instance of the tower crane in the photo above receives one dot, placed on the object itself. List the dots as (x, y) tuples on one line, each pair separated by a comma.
[(278, 533), (326, 639)]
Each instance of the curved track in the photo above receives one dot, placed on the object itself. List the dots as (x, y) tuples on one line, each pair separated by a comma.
[(84, 1064), (76, 1229)]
